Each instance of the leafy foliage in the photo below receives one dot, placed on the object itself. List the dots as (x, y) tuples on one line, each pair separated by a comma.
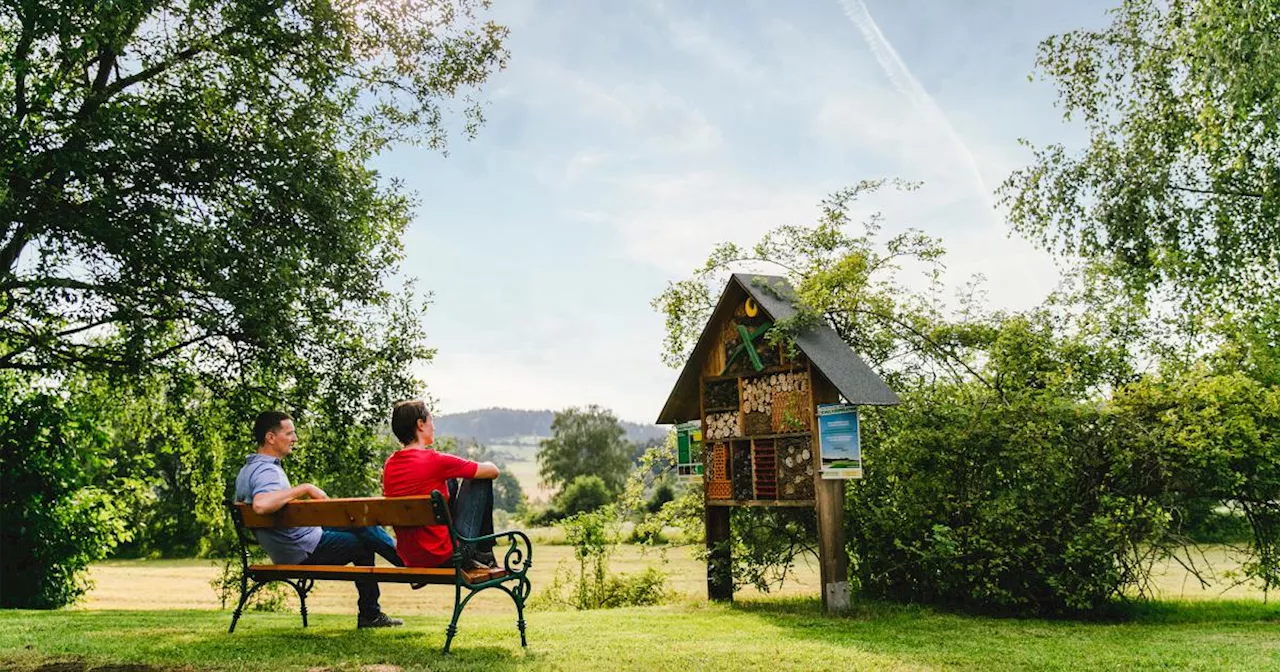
[(190, 233), (594, 537), (191, 179), (1179, 185), (662, 494), (583, 495), (53, 522), (585, 442)]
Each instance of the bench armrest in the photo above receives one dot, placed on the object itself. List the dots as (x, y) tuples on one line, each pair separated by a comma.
[(516, 559)]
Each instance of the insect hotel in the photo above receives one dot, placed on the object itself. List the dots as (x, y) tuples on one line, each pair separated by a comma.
[(772, 424)]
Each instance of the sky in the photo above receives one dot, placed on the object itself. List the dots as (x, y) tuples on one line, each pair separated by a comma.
[(625, 139)]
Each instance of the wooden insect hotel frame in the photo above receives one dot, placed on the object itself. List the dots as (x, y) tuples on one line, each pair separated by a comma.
[(758, 405)]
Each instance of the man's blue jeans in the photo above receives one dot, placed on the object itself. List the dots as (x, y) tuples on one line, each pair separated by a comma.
[(471, 505), (357, 545)]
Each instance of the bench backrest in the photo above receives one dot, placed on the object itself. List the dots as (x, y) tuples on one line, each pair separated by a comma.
[(353, 512)]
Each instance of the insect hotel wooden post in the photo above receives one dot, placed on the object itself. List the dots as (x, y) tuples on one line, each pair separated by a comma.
[(767, 413)]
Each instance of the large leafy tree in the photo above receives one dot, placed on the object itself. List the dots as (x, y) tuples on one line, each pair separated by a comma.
[(585, 442), (189, 231), (189, 179), (1178, 186)]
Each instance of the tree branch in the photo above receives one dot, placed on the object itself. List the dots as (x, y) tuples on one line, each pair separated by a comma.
[(21, 54), (106, 59), (13, 249), (932, 343)]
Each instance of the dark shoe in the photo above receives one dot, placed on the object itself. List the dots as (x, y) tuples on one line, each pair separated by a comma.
[(418, 586), (486, 558), (380, 620)]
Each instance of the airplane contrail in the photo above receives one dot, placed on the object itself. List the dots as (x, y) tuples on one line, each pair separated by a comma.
[(909, 86)]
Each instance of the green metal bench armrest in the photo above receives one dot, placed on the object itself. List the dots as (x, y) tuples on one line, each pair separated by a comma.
[(516, 560)]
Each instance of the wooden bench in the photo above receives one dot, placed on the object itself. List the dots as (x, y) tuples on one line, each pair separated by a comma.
[(511, 578)]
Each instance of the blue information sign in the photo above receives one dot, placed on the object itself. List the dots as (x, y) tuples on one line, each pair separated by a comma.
[(839, 441)]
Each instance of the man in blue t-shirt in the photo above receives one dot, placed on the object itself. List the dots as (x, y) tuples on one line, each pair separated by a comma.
[(263, 483)]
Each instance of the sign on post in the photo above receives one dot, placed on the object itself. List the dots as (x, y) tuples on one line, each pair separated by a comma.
[(689, 450), (839, 441)]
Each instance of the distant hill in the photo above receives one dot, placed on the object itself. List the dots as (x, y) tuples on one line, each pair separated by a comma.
[(498, 425)]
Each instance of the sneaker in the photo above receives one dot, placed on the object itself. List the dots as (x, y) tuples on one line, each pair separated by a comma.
[(380, 620)]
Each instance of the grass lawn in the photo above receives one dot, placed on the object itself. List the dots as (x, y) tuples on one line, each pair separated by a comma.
[(777, 634), (161, 615)]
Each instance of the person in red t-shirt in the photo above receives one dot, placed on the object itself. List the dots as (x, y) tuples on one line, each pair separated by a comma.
[(417, 469)]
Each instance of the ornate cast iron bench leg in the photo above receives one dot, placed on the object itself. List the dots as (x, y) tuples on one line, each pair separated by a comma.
[(244, 597)]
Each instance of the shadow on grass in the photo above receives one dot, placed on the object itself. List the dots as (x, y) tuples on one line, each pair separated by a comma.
[(1238, 635), (1137, 612), (199, 640)]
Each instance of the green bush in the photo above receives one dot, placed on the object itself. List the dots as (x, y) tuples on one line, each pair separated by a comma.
[(594, 537), (1036, 503), (53, 523), (661, 495), (1019, 506), (583, 495)]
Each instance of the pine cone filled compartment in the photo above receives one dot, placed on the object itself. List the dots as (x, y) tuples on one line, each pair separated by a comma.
[(795, 468), (721, 395), (757, 424)]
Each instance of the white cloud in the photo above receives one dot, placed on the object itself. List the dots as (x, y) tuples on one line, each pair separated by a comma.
[(646, 112), (671, 221)]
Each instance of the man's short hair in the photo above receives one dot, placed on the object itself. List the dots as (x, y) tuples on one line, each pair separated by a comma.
[(405, 417), (268, 421)]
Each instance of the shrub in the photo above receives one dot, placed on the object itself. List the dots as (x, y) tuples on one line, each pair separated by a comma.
[(53, 523), (1036, 503), (661, 495), (583, 494), (594, 537)]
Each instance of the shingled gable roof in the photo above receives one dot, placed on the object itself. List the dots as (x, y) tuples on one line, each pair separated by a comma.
[(820, 343)]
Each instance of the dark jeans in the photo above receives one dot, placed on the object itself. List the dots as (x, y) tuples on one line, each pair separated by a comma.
[(356, 545), (471, 505)]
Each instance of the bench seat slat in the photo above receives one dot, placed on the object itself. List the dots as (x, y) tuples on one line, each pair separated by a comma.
[(348, 512), (382, 574)]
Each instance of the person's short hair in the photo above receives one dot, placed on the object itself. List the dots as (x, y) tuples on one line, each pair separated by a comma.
[(405, 417), (268, 421)]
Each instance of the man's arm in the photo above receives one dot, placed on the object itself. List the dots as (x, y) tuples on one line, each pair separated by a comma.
[(486, 471), (270, 502)]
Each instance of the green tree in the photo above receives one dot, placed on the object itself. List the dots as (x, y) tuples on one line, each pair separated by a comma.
[(190, 232), (53, 522), (191, 178), (1178, 186), (583, 494), (585, 442)]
